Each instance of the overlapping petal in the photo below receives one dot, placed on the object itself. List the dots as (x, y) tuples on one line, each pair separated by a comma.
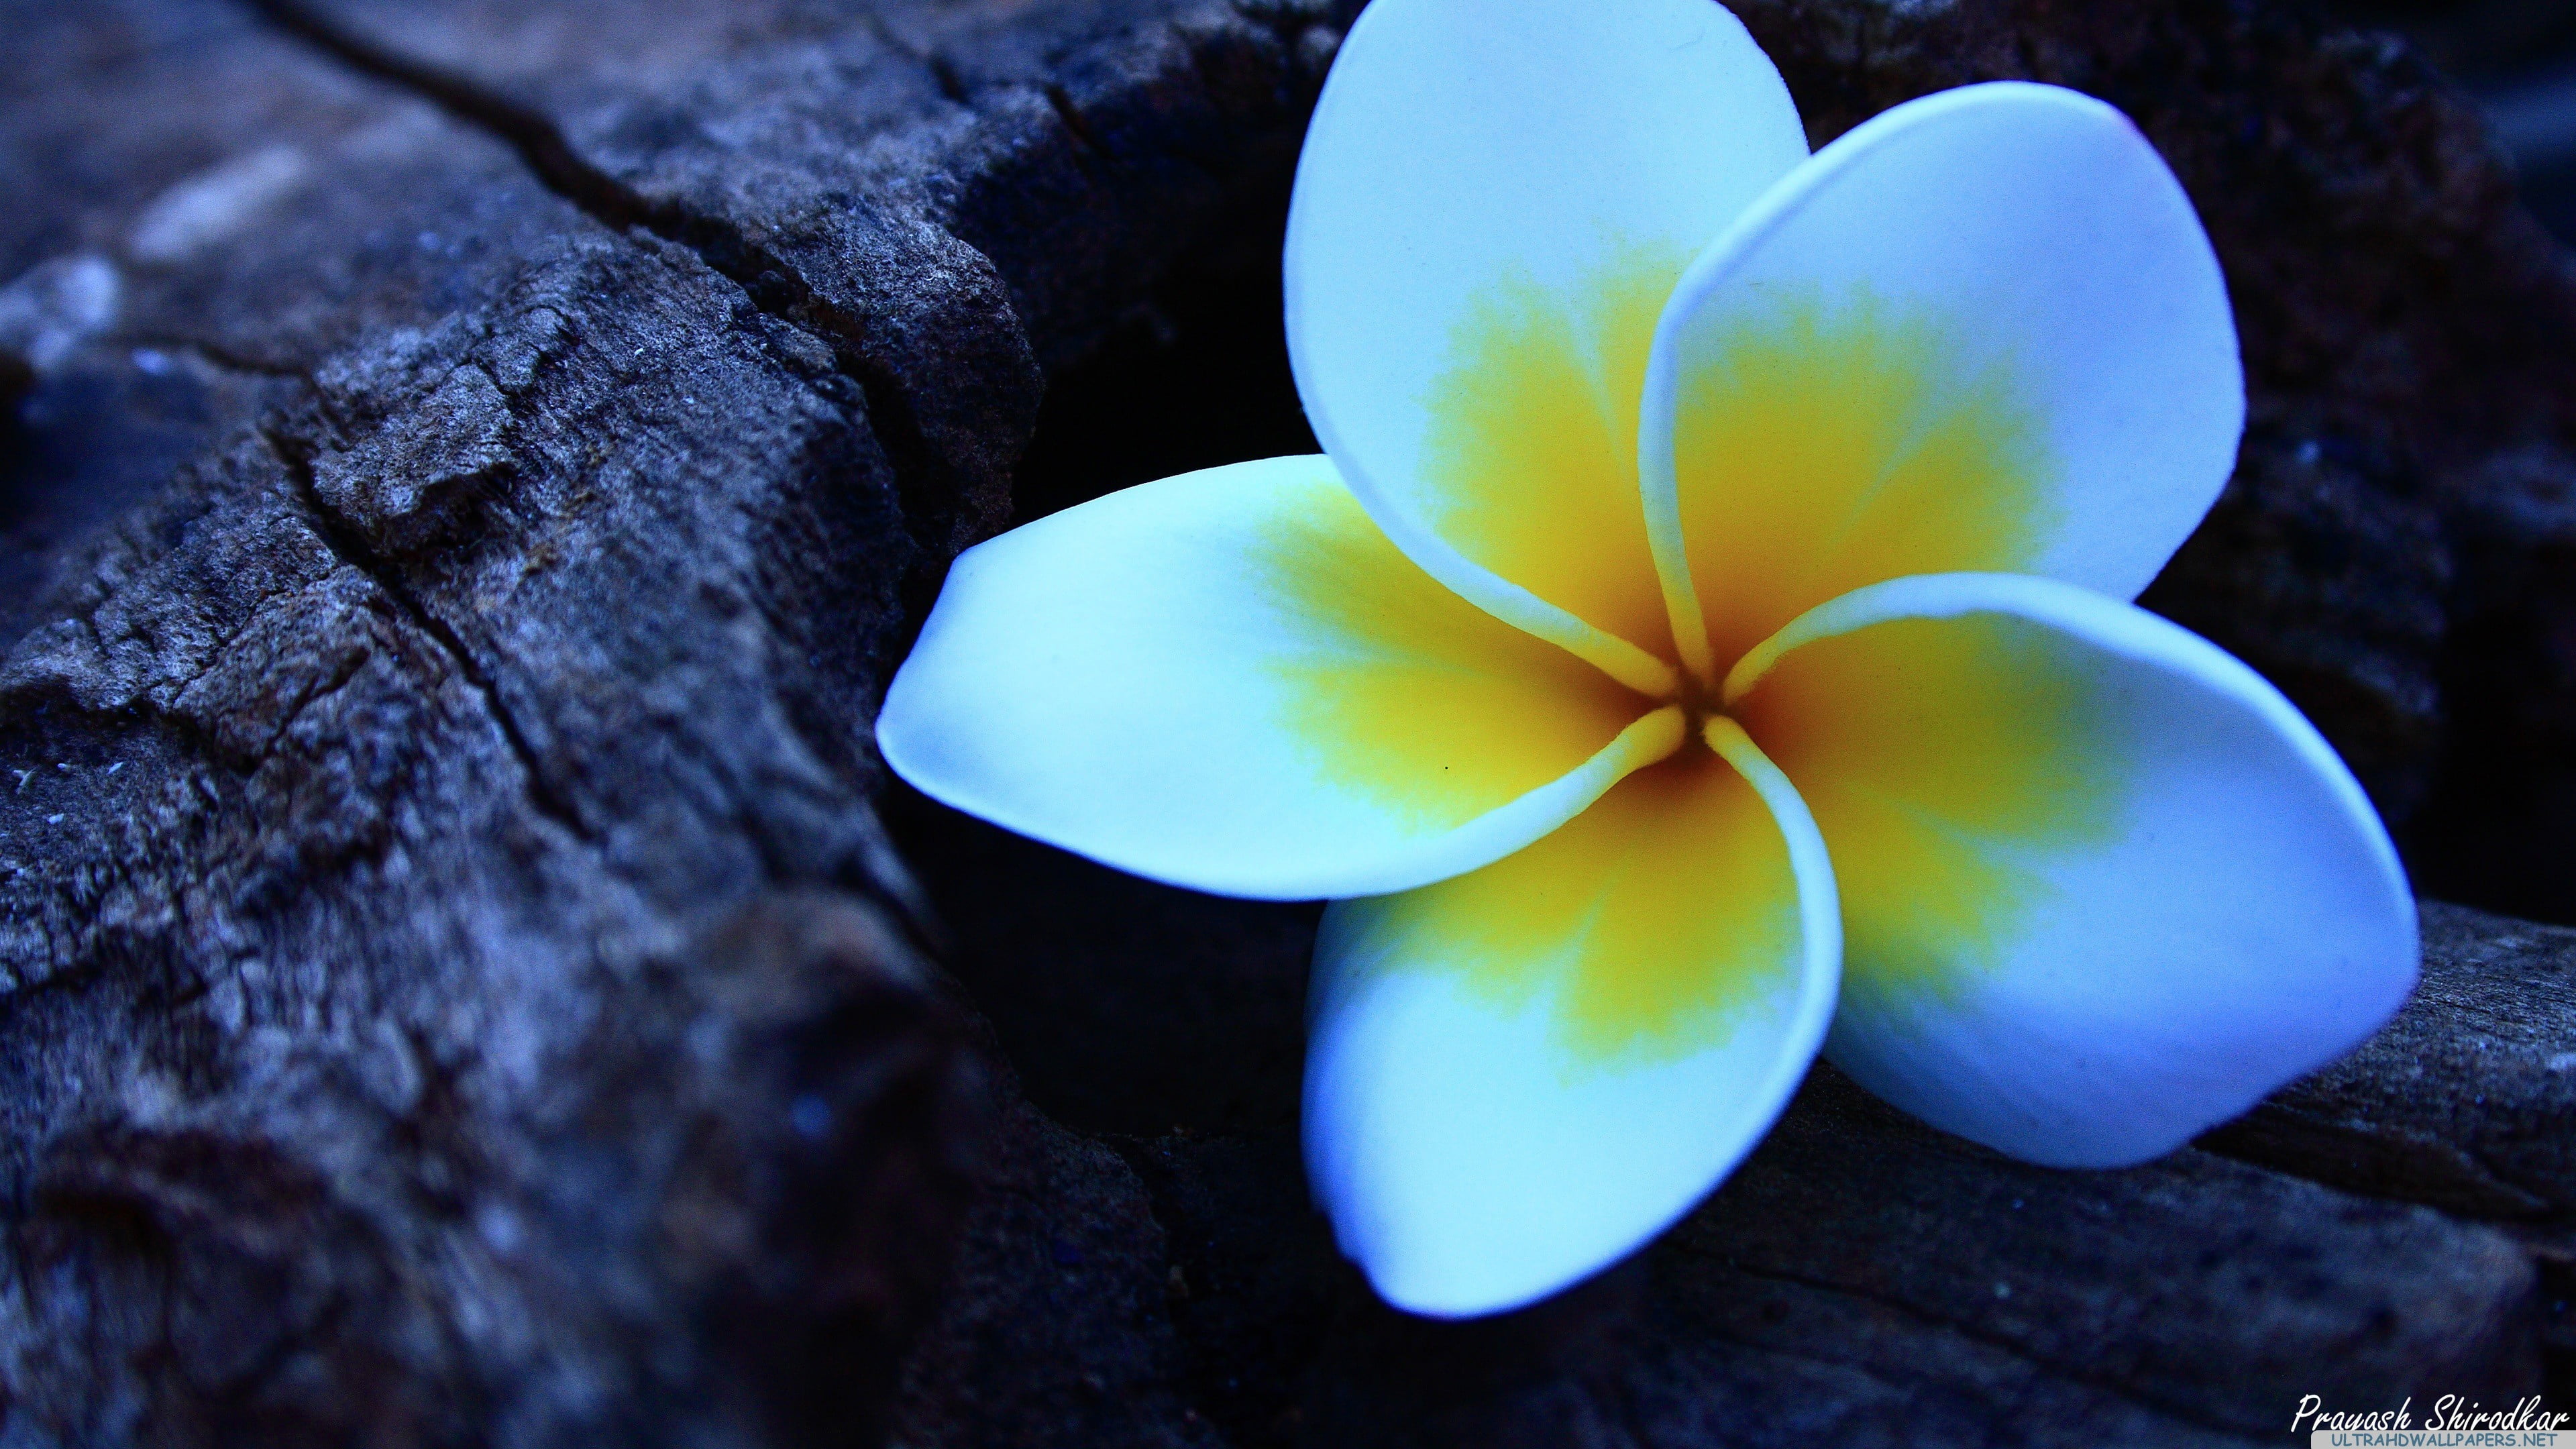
[(1982, 331), (1231, 680), (1494, 201), (1925, 409), (1519, 1075), (2102, 886)]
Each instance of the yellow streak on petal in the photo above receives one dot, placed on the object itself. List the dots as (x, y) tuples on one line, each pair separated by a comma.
[(1532, 447), (1822, 450), (1405, 693), (1945, 761), (1651, 919)]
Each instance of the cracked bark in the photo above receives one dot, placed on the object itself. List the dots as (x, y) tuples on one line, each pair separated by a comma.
[(349, 546), (465, 967)]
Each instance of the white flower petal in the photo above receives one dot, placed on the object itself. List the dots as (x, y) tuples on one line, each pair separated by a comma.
[(2102, 886), (1494, 201), (1981, 331), (1515, 1077), (1230, 680)]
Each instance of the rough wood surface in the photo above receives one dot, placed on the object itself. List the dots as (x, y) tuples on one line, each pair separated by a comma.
[(1860, 1275), (2464, 1100), (464, 978)]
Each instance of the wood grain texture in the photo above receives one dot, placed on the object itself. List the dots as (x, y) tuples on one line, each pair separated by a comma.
[(465, 978)]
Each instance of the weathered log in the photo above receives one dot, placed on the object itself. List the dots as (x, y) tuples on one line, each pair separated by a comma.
[(2465, 1101), (392, 1053), (482, 462), (1860, 1275)]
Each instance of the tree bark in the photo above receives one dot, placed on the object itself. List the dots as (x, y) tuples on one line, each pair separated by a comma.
[(466, 979)]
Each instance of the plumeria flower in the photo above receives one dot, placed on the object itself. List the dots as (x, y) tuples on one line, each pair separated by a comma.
[(1704, 639)]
